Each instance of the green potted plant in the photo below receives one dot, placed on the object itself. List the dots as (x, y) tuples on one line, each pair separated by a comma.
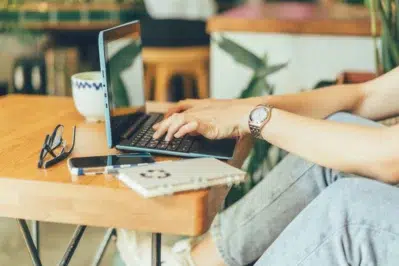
[(384, 14), (388, 13)]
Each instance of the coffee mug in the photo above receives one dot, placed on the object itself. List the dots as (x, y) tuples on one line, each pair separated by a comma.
[(88, 95)]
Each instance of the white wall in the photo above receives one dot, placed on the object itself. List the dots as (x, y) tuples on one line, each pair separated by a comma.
[(311, 58)]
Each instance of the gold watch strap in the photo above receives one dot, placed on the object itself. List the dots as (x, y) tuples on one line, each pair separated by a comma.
[(255, 131)]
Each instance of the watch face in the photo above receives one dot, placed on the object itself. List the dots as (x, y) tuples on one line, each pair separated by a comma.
[(259, 115)]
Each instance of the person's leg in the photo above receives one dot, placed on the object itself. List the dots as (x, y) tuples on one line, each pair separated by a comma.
[(243, 232), (353, 222)]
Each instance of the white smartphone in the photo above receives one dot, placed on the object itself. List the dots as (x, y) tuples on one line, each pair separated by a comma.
[(107, 164)]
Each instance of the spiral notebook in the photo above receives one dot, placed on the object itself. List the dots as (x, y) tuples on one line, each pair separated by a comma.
[(166, 178)]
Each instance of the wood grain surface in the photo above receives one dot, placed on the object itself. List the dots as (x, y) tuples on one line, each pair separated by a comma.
[(53, 195), (295, 18)]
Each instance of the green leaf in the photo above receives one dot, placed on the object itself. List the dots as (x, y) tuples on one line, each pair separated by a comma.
[(391, 43), (250, 90), (385, 52), (397, 22), (239, 53), (263, 72)]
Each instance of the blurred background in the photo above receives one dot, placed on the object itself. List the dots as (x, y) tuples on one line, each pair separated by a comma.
[(53, 39), (192, 49)]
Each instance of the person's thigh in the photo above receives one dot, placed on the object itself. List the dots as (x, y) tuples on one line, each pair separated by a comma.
[(244, 231), (353, 222)]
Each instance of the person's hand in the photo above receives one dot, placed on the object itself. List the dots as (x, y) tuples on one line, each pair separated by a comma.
[(187, 104), (215, 122)]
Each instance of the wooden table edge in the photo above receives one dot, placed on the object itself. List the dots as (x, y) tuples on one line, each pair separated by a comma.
[(21, 198)]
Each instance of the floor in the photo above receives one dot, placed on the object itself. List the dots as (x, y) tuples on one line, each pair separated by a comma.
[(54, 240)]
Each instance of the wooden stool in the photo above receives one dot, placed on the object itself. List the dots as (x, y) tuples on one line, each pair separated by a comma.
[(163, 63)]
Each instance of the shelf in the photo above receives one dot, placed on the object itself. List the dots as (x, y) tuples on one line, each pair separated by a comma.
[(77, 17), (294, 18)]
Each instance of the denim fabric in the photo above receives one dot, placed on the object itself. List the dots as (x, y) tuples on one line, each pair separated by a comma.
[(353, 222), (247, 229)]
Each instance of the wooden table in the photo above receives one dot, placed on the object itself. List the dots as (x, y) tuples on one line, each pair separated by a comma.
[(52, 195), (296, 18)]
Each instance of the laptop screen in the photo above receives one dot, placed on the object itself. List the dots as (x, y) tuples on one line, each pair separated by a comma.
[(124, 73)]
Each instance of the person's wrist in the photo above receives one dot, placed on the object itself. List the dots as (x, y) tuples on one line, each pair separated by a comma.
[(246, 111)]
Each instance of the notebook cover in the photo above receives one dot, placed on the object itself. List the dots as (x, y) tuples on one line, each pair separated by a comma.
[(166, 178)]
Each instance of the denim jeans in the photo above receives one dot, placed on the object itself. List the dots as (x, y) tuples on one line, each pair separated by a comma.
[(305, 214)]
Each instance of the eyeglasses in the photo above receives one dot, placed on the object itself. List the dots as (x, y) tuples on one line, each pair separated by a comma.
[(56, 146)]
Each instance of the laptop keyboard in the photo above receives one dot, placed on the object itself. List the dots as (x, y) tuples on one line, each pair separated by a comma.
[(143, 138)]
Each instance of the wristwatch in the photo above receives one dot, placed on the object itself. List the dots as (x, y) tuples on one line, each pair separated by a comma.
[(258, 118)]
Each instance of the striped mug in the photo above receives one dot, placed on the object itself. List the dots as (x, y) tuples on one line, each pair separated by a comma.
[(88, 95)]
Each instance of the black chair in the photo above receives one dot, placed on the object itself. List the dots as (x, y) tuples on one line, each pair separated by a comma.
[(173, 32)]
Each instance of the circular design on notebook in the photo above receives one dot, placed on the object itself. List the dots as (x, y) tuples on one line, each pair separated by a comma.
[(155, 173)]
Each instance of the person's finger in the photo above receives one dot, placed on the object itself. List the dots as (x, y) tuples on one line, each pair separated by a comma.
[(177, 123), (156, 126), (186, 129), (177, 109), (162, 128)]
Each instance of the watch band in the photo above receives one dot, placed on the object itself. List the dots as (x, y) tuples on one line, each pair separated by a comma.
[(256, 129)]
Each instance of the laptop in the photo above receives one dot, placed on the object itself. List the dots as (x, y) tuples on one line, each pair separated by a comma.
[(128, 125)]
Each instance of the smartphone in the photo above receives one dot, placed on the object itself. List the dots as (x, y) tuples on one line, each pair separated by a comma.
[(107, 164)]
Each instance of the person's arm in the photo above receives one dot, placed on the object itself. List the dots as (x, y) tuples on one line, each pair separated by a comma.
[(366, 151), (375, 99), (317, 103)]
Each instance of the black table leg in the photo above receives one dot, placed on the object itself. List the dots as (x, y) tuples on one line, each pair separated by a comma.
[(156, 249), (103, 246), (34, 254), (36, 235), (73, 244)]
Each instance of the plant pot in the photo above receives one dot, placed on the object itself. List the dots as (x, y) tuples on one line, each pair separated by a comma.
[(351, 77)]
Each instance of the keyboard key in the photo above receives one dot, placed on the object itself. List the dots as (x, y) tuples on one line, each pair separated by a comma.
[(134, 141), (183, 148), (143, 137), (172, 147), (152, 144), (177, 141), (185, 145), (163, 145), (146, 138), (142, 143)]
